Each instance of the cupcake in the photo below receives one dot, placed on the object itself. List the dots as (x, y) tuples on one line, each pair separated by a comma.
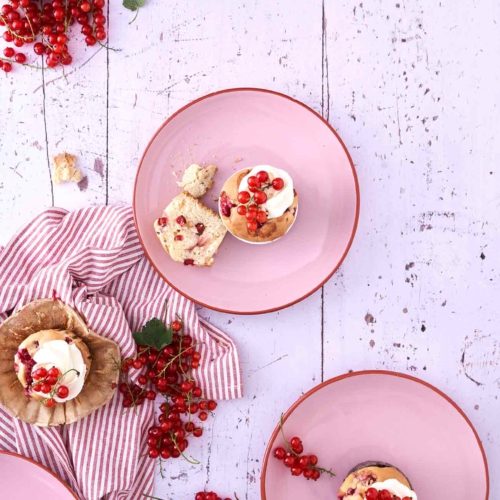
[(376, 481), (54, 370), (258, 205)]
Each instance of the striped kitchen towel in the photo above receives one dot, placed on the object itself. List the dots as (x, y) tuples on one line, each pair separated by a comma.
[(93, 260)]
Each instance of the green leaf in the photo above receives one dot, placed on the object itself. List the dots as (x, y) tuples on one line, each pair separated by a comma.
[(154, 334), (133, 4)]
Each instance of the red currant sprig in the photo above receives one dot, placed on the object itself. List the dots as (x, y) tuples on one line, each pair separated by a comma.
[(168, 372), (45, 24), (299, 464), (250, 201)]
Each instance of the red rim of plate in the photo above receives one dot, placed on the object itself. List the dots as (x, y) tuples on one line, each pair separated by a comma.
[(356, 183), (46, 469), (299, 401)]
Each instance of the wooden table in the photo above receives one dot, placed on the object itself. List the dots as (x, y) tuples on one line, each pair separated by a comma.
[(413, 89)]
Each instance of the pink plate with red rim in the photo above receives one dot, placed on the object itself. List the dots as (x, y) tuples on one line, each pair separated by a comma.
[(380, 416), (24, 479), (234, 129)]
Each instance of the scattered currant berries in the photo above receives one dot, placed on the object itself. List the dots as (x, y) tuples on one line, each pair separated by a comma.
[(46, 24), (168, 373), (291, 454), (250, 203)]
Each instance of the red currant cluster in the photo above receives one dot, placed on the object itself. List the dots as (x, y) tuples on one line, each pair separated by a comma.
[(168, 372), (299, 464), (46, 25), (373, 494), (250, 200), (208, 495), (48, 382)]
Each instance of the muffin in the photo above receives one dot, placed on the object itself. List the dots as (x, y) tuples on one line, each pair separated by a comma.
[(189, 231), (376, 481), (258, 205), (54, 370)]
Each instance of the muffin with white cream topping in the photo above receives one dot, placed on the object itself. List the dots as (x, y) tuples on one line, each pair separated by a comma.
[(258, 205)]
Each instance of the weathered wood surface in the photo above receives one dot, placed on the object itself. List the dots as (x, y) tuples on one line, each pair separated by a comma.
[(413, 88)]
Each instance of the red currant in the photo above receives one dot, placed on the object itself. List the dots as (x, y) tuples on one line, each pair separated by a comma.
[(278, 183), (243, 197), (262, 176), (62, 392)]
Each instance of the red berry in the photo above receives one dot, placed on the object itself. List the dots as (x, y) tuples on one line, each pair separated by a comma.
[(151, 395), (252, 226), (261, 217), (20, 58), (278, 183), (38, 48), (62, 391), (242, 210), (251, 215), (280, 453), (385, 495), (260, 197), (8, 52), (203, 415), (181, 220), (137, 364), (262, 176), (304, 461), (90, 40), (289, 460), (178, 237), (200, 228), (54, 372), (49, 403), (46, 388), (253, 182), (176, 326), (198, 432), (296, 471), (244, 197), (85, 6), (153, 453), (313, 459), (212, 405), (40, 373), (371, 494)]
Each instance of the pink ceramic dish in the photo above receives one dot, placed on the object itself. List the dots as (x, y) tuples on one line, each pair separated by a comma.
[(24, 479), (383, 416), (237, 128)]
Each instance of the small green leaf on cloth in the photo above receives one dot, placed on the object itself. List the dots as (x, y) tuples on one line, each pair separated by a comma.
[(154, 334), (133, 4)]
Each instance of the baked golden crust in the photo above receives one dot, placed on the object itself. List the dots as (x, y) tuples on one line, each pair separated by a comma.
[(237, 224), (37, 317)]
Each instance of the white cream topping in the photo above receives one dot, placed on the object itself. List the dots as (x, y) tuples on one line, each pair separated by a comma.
[(395, 487), (68, 358), (277, 201)]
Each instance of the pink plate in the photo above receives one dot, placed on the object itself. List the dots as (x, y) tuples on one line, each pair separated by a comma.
[(24, 479), (384, 416), (237, 128)]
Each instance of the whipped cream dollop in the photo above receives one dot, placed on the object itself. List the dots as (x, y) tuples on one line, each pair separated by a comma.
[(68, 358), (395, 487), (277, 201)]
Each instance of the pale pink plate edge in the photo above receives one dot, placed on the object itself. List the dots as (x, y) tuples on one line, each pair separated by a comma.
[(355, 178), (299, 401)]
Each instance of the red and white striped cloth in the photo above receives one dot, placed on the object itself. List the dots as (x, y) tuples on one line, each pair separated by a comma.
[(93, 259)]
